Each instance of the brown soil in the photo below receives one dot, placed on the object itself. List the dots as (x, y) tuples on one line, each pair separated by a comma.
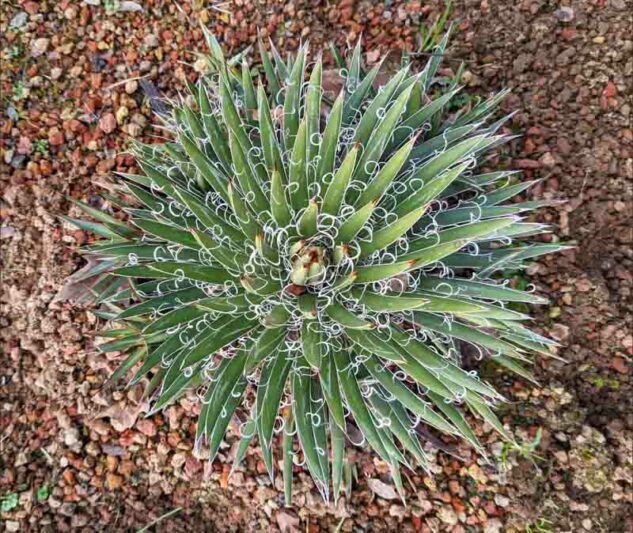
[(78, 455)]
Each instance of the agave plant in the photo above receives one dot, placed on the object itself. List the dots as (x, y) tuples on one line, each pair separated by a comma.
[(315, 266)]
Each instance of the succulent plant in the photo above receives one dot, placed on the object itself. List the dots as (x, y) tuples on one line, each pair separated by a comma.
[(315, 267)]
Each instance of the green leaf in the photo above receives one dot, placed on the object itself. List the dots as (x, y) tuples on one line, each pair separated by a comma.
[(465, 333), (292, 102), (303, 416), (480, 409), (269, 393), (429, 191), (355, 222), (477, 289), (312, 342), (278, 201), (298, 179), (460, 234), (136, 355), (338, 457), (385, 176), (266, 344), (373, 273), (406, 397), (220, 400), (370, 116), (246, 177), (245, 217), (401, 427), (248, 431), (383, 237), (109, 221), (168, 233), (205, 166), (335, 190), (307, 224), (356, 404), (271, 76), (356, 98), (330, 141), (330, 388), (93, 227), (288, 456), (174, 269), (268, 136), (382, 131), (313, 114), (339, 314)]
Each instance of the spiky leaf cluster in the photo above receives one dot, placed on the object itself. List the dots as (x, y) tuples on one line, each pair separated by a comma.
[(314, 265)]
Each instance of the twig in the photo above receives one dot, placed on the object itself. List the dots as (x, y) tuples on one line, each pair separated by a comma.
[(160, 519), (125, 81), (446, 57)]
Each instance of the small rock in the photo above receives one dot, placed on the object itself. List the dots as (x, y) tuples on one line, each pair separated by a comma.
[(619, 364), (39, 46), (11, 526), (67, 509), (287, 523), (547, 160), (78, 520), (55, 137), (130, 6), (560, 332), (56, 73), (150, 41), (131, 86), (107, 123), (564, 14), (583, 285), (114, 482), (19, 20), (113, 449), (493, 526), (146, 427), (527, 163), (24, 146), (447, 515), (178, 460), (71, 437), (502, 501), (381, 489)]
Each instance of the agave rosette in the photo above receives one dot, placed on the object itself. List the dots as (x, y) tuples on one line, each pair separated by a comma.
[(333, 257)]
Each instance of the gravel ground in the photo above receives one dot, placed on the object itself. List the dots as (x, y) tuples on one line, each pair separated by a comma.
[(75, 455)]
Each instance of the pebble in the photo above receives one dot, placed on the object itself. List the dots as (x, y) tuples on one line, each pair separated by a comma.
[(107, 123), (564, 14), (39, 46), (121, 114), (150, 41), (71, 437), (114, 481), (19, 19), (131, 86), (146, 427), (447, 515), (493, 526), (387, 492)]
